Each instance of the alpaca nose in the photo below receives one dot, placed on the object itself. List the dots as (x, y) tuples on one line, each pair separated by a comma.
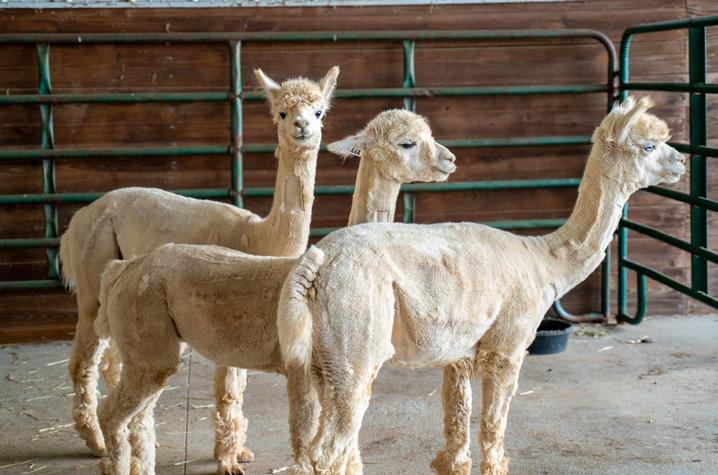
[(301, 123), (445, 153)]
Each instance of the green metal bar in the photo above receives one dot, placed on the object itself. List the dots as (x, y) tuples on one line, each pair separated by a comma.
[(236, 160), (506, 225), (710, 205), (673, 241), (29, 284), (409, 47), (218, 96), (698, 113), (48, 165), (28, 243), (208, 193), (667, 281), (642, 302), (695, 149), (205, 193), (672, 25), (128, 97), (275, 36), (39, 154), (622, 284), (672, 87)]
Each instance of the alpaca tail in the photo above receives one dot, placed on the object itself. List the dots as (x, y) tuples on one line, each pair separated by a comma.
[(66, 244), (113, 270), (294, 319)]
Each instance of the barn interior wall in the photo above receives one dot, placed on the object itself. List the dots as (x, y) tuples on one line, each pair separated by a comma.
[(154, 68)]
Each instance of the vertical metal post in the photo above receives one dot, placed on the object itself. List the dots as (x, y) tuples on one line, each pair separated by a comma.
[(409, 104), (48, 165), (622, 231), (237, 143), (698, 113)]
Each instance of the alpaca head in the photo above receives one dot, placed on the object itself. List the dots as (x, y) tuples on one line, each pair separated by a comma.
[(298, 106), (635, 151), (400, 145)]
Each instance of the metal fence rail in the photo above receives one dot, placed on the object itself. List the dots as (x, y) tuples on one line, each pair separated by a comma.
[(48, 154), (697, 198)]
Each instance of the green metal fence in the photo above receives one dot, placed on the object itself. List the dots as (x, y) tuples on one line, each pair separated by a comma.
[(47, 153), (697, 198)]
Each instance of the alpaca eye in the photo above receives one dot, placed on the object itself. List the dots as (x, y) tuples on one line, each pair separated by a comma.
[(318, 114), (407, 145), (283, 115), (649, 148)]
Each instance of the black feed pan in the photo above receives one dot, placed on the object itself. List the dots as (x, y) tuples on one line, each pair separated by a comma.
[(551, 337)]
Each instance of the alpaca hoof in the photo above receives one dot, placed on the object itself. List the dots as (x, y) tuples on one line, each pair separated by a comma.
[(96, 446), (245, 455), (488, 468), (299, 469), (229, 469), (445, 464)]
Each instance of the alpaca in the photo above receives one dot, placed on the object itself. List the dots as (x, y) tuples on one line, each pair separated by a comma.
[(461, 296), (132, 221), (175, 289)]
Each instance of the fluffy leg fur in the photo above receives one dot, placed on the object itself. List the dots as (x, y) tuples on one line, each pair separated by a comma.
[(335, 449), (230, 425), (499, 380), (303, 413), (137, 387), (143, 439), (86, 353), (455, 458)]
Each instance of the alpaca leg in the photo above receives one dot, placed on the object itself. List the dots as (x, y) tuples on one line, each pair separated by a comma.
[(86, 353), (136, 388), (455, 458), (111, 365), (143, 439), (303, 413), (335, 448), (499, 380), (230, 425)]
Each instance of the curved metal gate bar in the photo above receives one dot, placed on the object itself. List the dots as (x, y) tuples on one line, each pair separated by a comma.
[(236, 148), (697, 247)]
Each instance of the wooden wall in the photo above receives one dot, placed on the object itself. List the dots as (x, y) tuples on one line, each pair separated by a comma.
[(121, 68)]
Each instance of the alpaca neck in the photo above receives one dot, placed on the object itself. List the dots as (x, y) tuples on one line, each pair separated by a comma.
[(579, 245), (374, 196), (286, 227)]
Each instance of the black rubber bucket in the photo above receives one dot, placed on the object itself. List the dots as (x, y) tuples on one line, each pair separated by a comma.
[(551, 337)]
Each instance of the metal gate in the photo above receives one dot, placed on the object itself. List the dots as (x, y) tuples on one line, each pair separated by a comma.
[(47, 152), (699, 203)]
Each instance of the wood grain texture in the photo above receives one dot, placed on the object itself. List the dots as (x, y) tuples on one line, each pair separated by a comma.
[(186, 67)]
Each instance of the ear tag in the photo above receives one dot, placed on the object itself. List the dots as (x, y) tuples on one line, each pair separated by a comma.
[(355, 151)]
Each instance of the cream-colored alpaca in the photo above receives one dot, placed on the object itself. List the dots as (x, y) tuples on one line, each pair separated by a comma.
[(154, 303), (460, 296), (133, 221)]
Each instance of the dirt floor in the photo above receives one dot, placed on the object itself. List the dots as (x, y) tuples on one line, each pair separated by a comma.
[(609, 404)]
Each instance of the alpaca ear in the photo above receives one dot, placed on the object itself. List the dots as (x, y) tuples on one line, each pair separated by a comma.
[(636, 110), (268, 84), (352, 146), (329, 82)]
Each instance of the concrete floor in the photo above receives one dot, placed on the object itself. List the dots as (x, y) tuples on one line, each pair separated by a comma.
[(606, 405)]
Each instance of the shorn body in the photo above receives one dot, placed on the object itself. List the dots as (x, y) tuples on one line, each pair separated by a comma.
[(464, 297), (132, 221), (224, 304)]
